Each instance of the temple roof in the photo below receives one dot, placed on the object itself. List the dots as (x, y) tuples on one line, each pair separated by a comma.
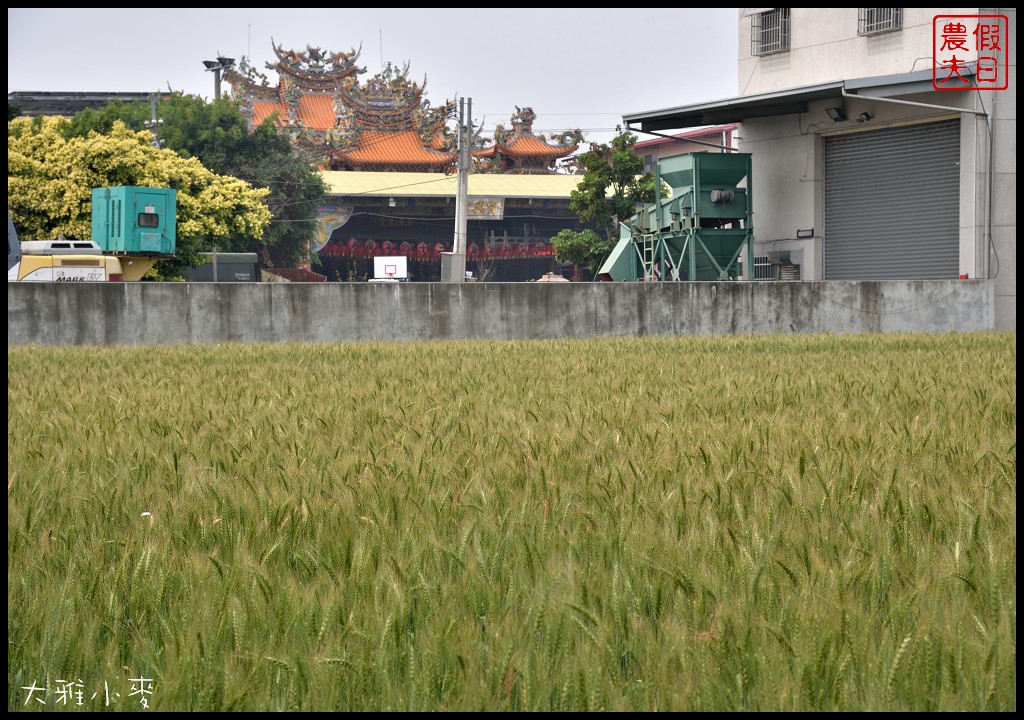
[(527, 147), (385, 123), (315, 69), (521, 151), (392, 148)]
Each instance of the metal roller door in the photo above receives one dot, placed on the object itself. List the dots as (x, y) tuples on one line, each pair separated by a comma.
[(892, 204)]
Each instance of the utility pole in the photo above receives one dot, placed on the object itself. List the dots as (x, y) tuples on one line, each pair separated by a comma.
[(453, 264), (154, 123)]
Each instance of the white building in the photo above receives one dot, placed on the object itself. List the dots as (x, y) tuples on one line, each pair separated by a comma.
[(883, 142)]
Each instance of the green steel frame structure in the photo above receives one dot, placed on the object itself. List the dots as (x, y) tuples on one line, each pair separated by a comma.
[(698, 232)]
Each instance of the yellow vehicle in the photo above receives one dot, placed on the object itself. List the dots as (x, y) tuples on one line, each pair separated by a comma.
[(132, 229), (73, 261)]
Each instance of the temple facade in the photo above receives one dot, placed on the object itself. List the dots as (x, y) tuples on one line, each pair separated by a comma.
[(385, 123), (389, 159)]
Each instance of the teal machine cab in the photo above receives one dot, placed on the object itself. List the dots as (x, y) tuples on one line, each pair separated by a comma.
[(135, 220)]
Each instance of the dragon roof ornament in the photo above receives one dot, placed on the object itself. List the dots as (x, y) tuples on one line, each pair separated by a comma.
[(316, 65), (388, 101)]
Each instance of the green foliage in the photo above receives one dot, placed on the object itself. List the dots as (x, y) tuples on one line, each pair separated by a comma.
[(781, 523), (13, 111), (51, 173), (217, 134), (613, 183), (585, 249), (136, 115)]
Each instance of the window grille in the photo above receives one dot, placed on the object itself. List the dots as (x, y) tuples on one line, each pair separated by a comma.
[(871, 21), (763, 270), (769, 31)]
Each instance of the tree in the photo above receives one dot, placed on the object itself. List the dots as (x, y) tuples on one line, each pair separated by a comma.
[(613, 183), (585, 249), (218, 135), (51, 174)]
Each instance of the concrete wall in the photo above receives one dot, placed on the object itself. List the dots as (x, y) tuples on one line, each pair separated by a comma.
[(166, 313)]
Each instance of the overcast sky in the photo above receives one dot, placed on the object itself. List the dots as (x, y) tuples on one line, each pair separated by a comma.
[(577, 68)]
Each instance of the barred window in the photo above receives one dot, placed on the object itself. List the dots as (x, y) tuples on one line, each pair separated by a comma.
[(871, 21), (763, 269), (769, 31)]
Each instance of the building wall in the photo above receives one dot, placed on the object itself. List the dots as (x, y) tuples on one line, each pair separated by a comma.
[(824, 46), (179, 313), (787, 167), (1003, 259), (658, 148), (788, 150)]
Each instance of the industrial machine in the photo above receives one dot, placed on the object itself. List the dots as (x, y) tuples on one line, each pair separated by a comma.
[(132, 228), (698, 232), (129, 220)]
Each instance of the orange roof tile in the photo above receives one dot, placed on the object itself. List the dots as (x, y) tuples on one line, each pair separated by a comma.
[(262, 109), (316, 112), (401, 147), (529, 146)]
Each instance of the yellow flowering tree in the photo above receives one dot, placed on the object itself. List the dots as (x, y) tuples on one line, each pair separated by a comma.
[(51, 175)]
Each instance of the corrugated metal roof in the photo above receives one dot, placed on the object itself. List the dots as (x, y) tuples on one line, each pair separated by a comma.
[(783, 102), (408, 184), (68, 104), (737, 109)]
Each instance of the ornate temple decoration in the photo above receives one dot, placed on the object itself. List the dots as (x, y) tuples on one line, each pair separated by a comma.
[(520, 151), (305, 100), (339, 123), (393, 127)]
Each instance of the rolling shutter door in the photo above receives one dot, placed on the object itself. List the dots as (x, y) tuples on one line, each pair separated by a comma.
[(892, 204)]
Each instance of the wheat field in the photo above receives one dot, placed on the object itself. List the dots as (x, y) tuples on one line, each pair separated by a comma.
[(760, 523)]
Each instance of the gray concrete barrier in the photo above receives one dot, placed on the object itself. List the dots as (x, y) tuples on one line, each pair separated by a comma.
[(166, 313)]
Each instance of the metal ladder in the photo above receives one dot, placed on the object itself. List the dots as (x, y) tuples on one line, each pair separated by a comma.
[(647, 255)]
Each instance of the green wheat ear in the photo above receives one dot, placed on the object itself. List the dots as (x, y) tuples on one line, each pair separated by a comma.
[(330, 537)]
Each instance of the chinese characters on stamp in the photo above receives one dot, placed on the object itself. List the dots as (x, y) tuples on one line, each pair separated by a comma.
[(960, 41)]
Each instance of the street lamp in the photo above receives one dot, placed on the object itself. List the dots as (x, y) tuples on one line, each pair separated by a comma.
[(216, 67)]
